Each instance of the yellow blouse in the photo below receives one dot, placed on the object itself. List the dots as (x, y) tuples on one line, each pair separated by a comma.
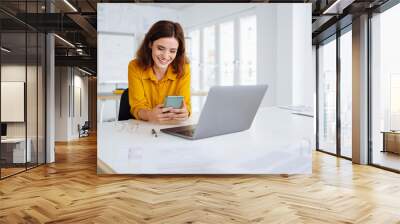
[(146, 92)]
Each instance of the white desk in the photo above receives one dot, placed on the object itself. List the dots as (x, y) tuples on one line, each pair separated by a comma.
[(19, 149), (278, 142)]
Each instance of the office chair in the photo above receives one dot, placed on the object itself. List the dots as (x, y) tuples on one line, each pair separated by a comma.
[(124, 107), (84, 130)]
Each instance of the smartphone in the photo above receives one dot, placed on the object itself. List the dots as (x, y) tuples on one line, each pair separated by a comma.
[(173, 101)]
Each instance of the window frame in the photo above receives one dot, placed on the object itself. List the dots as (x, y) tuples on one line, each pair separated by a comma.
[(235, 18)]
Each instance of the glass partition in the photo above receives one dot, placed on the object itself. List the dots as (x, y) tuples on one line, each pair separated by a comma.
[(22, 79), (13, 94), (31, 97)]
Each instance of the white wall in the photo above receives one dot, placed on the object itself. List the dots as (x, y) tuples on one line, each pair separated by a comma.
[(79, 117), (15, 72), (67, 116), (203, 14), (314, 75), (61, 103), (303, 60), (285, 50), (121, 28), (267, 53)]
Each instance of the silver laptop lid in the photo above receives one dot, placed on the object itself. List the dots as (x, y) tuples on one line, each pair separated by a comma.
[(229, 109)]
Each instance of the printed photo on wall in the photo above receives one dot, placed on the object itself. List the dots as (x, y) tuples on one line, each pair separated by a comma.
[(195, 88)]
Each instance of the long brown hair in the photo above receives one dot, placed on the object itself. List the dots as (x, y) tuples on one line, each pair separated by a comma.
[(159, 30)]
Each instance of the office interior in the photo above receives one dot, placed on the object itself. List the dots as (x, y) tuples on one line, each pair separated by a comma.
[(49, 81)]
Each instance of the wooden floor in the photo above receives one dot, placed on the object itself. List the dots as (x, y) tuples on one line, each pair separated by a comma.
[(69, 191), (387, 159), (8, 171), (5, 172)]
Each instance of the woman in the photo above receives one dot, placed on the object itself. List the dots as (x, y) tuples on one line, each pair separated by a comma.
[(160, 69)]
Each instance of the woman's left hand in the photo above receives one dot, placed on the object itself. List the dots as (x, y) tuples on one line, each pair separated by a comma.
[(180, 114)]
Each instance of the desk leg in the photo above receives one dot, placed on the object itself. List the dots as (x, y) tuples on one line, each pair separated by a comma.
[(384, 145)]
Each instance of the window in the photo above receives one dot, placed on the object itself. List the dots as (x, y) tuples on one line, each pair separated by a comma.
[(395, 101), (385, 87), (334, 138), (224, 53), (327, 97), (209, 51), (193, 52), (194, 56), (248, 50), (346, 94), (227, 55)]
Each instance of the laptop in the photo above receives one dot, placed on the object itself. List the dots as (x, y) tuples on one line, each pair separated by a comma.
[(228, 109)]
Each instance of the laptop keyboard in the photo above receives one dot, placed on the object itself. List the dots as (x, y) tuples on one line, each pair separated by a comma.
[(187, 130), (182, 130)]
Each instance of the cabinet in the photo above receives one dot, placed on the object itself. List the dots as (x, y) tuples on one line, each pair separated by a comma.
[(13, 151), (391, 141)]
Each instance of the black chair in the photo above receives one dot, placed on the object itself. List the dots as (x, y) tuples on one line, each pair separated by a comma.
[(84, 130), (124, 107)]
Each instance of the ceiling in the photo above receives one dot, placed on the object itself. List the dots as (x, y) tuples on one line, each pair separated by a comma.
[(77, 22)]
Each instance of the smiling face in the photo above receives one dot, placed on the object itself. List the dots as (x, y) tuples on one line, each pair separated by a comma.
[(163, 51)]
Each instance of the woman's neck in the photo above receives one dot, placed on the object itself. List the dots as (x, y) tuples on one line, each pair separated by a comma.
[(159, 72)]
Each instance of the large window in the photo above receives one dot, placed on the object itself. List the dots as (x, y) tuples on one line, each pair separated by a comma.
[(394, 101), (327, 96), (248, 50), (385, 87), (335, 94), (194, 55), (222, 53), (209, 57), (227, 56), (346, 94)]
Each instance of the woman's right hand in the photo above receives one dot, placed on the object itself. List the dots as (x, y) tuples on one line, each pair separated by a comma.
[(160, 114)]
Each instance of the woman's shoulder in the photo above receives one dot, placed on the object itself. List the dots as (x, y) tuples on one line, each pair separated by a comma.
[(134, 63), (134, 68), (186, 67)]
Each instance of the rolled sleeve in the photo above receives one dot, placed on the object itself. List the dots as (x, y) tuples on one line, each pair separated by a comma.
[(137, 99)]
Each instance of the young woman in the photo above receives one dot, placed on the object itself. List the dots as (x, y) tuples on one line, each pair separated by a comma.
[(160, 69)]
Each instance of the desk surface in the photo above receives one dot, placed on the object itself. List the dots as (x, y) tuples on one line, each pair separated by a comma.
[(278, 142), (391, 132), (13, 140)]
